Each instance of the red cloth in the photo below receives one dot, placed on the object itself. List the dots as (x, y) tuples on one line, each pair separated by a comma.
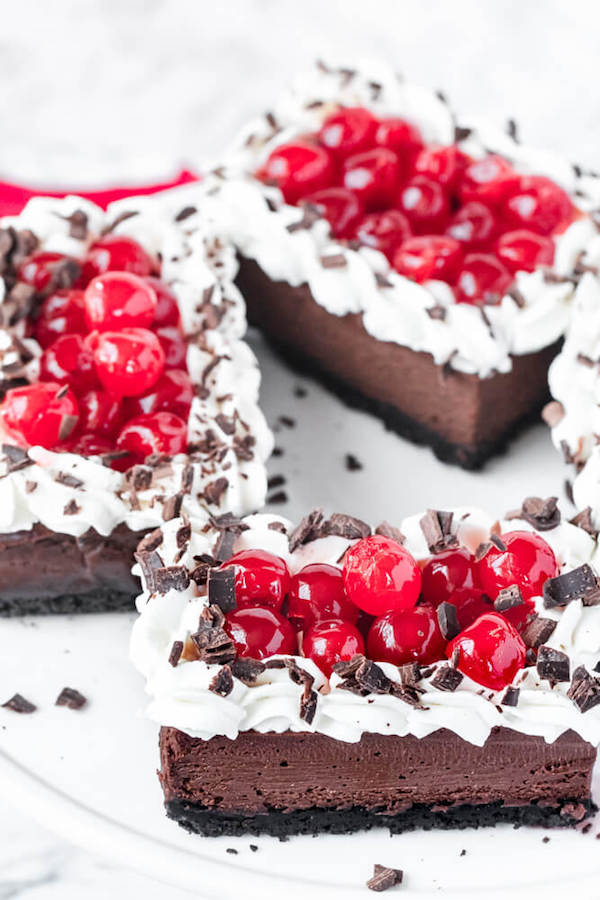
[(13, 197)]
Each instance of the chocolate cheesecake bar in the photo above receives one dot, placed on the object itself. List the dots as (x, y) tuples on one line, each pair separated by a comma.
[(127, 395), (421, 268), (331, 677)]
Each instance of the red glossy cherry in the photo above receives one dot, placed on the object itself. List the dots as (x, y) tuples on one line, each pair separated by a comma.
[(69, 359), (298, 168), (117, 253), (37, 270), (161, 432), (488, 180), (119, 300), (373, 176), (441, 164), (350, 130), (470, 603), (316, 592), (527, 562), (332, 641), (428, 257), (490, 650), (60, 313), (482, 279), (524, 251), (409, 635), (174, 346), (473, 225), (425, 204), (258, 632), (384, 231), (100, 413), (261, 578), (128, 362), (539, 205), (45, 413), (173, 392), (380, 575), (340, 207), (445, 572), (167, 308), (91, 445), (400, 136)]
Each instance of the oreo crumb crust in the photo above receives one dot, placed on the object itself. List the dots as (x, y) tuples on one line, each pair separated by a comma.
[(383, 878), (71, 698)]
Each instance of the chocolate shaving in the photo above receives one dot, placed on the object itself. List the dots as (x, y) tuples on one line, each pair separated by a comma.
[(361, 676), (511, 696), (139, 477), (497, 541), (183, 536), (185, 213), (71, 508), (187, 478), (199, 575), (175, 654), (446, 678), (151, 541), (584, 521), (436, 526), (78, 225), (225, 423), (71, 698), (390, 531), (30, 487), (277, 526), (384, 878), (221, 588), (410, 674), (544, 515), (553, 664), (334, 261), (222, 683), (579, 584), (461, 133), (308, 704), (344, 526), (171, 578), (538, 631), (172, 507), (306, 530), (437, 313), (16, 458), (247, 670), (19, 704), (211, 640), (448, 620), (68, 480), (508, 597), (214, 490), (223, 549), (67, 424), (150, 562), (584, 690), (553, 413), (352, 462)]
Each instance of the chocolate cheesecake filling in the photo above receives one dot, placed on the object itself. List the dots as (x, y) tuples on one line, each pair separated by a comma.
[(306, 783), (464, 418), (43, 571)]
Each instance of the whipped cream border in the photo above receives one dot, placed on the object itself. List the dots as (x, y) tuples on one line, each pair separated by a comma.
[(180, 695), (73, 493), (470, 339)]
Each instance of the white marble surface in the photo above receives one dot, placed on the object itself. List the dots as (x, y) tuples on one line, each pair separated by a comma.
[(101, 89)]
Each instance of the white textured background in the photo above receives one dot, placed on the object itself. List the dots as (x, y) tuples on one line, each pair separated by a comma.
[(95, 90)]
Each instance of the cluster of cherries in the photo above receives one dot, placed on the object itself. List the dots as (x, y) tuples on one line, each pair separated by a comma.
[(434, 212), (113, 376), (383, 603)]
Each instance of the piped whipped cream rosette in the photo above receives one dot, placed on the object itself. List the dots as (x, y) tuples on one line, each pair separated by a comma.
[(131, 320), (447, 237), (453, 620)]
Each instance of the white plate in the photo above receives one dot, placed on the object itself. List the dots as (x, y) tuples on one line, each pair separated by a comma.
[(90, 774)]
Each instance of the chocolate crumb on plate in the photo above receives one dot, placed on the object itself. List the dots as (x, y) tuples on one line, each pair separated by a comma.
[(300, 391), (278, 497), (384, 878), (353, 463), (463, 853), (19, 704), (275, 481), (231, 850), (254, 847), (71, 698), (288, 421)]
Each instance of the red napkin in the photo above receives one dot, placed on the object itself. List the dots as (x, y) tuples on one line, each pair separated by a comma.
[(13, 197)]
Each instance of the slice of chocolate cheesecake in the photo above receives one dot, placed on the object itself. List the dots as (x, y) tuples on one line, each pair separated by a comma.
[(331, 677), (421, 269), (127, 395)]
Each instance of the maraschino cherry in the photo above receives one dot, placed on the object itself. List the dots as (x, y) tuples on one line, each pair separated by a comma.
[(350, 130), (527, 561), (119, 300), (69, 359), (445, 572), (331, 641), (161, 432), (117, 253), (172, 392), (373, 176), (383, 231), (128, 362), (45, 413), (316, 592), (408, 635), (524, 251), (299, 168), (424, 258), (490, 651), (381, 576), (482, 277), (101, 413), (339, 206), (539, 205), (258, 632), (425, 204), (37, 270), (261, 578), (61, 313)]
